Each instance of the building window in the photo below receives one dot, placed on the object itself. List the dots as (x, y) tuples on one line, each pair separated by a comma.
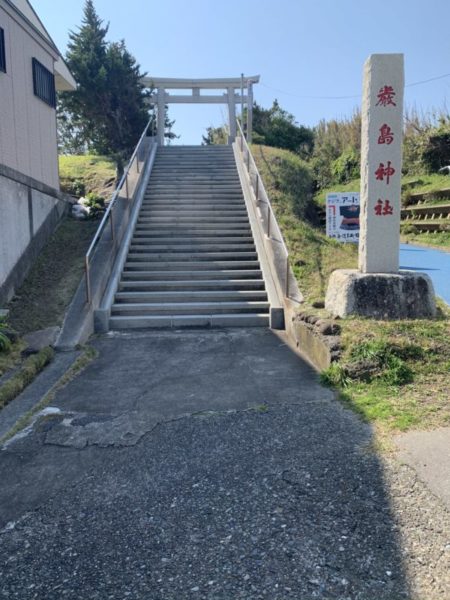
[(44, 83), (2, 51)]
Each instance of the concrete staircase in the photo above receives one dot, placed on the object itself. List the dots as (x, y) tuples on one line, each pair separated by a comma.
[(192, 259)]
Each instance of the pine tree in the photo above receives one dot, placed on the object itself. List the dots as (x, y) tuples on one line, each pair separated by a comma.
[(109, 109)]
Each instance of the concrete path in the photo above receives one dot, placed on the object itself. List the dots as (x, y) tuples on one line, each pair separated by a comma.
[(212, 465), (428, 452)]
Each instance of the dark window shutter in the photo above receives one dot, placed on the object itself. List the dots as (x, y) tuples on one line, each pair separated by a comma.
[(2, 51), (44, 83)]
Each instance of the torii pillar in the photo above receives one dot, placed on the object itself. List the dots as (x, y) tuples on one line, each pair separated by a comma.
[(161, 116)]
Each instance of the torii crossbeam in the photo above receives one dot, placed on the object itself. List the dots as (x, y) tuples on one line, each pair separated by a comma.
[(229, 97)]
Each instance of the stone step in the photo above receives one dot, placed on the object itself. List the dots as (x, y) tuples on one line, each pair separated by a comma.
[(182, 241), (192, 214), (139, 282), (190, 308), (163, 183), (200, 162), (166, 266), (189, 205), (179, 321), (191, 277), (225, 163), (171, 234), (195, 177), (189, 296), (190, 256), (196, 208), (176, 192), (195, 171), (193, 248), (194, 228), (193, 200), (193, 220)]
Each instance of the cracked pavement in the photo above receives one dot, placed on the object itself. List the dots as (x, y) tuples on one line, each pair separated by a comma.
[(211, 465)]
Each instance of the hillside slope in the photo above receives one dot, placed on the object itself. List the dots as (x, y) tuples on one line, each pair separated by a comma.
[(82, 174), (410, 360), (288, 182)]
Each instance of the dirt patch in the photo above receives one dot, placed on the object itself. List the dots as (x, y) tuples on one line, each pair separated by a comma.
[(43, 298)]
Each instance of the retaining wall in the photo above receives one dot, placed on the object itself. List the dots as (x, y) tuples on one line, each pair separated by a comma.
[(29, 213)]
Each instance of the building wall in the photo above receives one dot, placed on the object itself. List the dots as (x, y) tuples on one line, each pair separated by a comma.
[(28, 140)]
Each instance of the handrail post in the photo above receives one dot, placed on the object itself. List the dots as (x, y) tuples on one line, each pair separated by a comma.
[(268, 220), (286, 291), (257, 187), (137, 161), (111, 220), (126, 187), (88, 279)]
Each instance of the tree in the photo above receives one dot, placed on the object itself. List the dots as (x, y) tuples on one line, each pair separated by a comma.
[(215, 135), (277, 127), (110, 108)]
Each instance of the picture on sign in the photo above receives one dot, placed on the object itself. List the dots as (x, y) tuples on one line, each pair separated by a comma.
[(343, 216)]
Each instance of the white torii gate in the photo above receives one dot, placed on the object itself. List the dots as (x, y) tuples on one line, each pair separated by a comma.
[(230, 97)]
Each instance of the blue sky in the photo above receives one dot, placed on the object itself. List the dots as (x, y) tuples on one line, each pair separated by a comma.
[(304, 50)]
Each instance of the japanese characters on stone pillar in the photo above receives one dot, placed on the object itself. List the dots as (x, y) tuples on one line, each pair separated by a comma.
[(381, 163)]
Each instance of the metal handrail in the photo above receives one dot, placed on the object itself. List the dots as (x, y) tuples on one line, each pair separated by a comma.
[(259, 190), (109, 211)]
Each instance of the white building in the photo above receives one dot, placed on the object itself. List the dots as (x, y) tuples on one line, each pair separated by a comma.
[(31, 72)]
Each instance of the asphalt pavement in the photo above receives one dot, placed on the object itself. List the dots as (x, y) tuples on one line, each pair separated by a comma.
[(208, 465)]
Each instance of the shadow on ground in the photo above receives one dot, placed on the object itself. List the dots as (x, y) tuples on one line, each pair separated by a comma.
[(197, 465)]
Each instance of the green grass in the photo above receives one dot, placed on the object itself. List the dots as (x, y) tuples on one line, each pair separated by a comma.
[(97, 173), (88, 355), (435, 239), (32, 366), (406, 364), (9, 359), (426, 183), (43, 298), (408, 386)]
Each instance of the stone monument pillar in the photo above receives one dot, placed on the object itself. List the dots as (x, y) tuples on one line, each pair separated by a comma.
[(381, 163), (378, 289)]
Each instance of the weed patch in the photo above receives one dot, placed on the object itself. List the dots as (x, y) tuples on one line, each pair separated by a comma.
[(78, 366), (32, 366)]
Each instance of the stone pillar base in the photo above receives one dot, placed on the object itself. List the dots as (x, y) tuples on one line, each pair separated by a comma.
[(403, 295)]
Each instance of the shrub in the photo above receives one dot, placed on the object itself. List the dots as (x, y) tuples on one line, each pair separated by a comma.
[(411, 229), (346, 167), (437, 151), (296, 182), (334, 376), (96, 204), (76, 188)]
